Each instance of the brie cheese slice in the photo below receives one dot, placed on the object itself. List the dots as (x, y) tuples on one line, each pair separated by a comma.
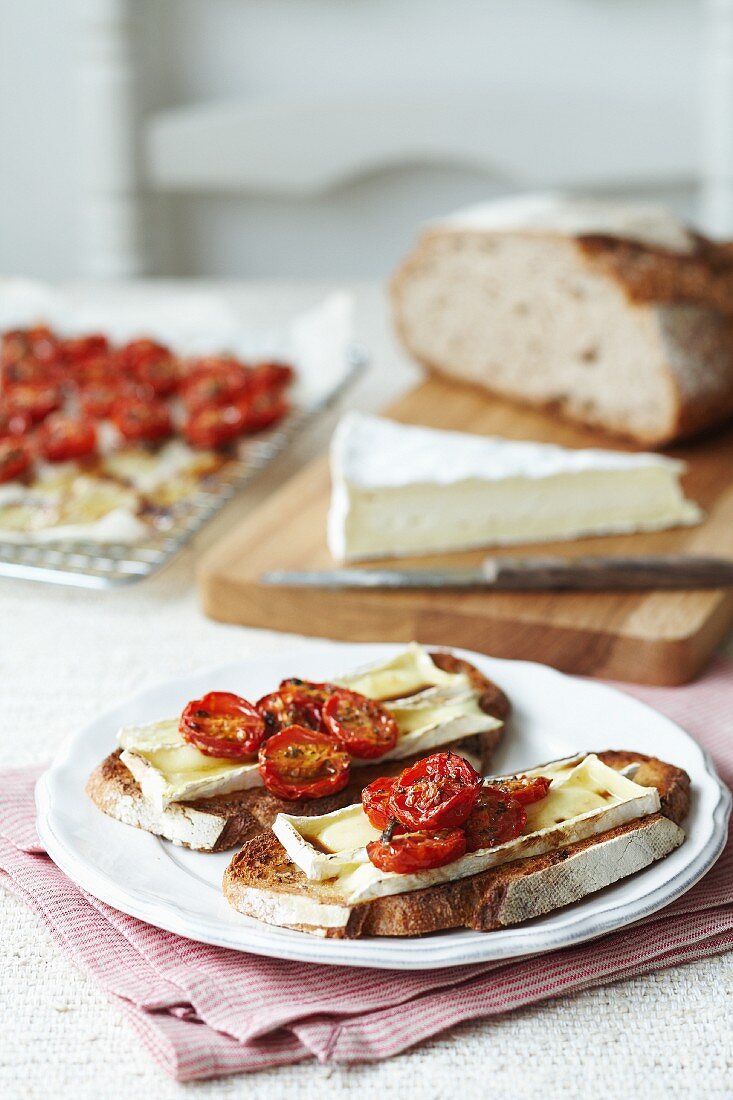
[(169, 769), (586, 798), (400, 490)]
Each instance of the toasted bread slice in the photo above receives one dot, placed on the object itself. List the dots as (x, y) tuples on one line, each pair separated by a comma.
[(262, 882), (227, 820)]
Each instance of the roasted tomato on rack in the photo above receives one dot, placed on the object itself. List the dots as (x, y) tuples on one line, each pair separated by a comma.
[(214, 381), (15, 459), (37, 401), (362, 726), (65, 437), (78, 350), (495, 819), (376, 798), (152, 364), (437, 792), (222, 724), (300, 763), (39, 344), (214, 427), (406, 853), (262, 409), (295, 703), (13, 422), (141, 421), (98, 399), (271, 375), (525, 789)]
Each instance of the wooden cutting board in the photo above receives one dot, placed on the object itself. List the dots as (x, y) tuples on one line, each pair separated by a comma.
[(655, 637)]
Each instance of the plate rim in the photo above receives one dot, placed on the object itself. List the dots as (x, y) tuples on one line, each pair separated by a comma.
[(459, 947)]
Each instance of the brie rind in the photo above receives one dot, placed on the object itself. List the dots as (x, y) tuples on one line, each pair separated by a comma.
[(400, 489), (169, 769), (586, 798)]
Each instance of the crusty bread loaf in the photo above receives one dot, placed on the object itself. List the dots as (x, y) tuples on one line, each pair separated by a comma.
[(618, 317), (262, 882), (227, 820)]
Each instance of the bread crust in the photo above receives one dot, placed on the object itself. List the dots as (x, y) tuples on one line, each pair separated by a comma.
[(687, 297), (491, 899), (242, 815)]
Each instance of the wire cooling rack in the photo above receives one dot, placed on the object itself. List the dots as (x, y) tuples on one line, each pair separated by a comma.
[(107, 565)]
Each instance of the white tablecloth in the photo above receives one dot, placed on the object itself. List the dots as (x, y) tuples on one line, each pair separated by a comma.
[(65, 653)]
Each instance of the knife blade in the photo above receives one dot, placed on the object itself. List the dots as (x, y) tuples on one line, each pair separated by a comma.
[(505, 574)]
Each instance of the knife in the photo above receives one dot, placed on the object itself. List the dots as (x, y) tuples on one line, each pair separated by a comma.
[(503, 574)]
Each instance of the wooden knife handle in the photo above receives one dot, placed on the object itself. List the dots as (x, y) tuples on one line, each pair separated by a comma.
[(553, 573)]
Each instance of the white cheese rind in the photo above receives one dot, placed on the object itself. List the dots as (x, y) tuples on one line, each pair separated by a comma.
[(357, 879), (399, 489), (160, 791)]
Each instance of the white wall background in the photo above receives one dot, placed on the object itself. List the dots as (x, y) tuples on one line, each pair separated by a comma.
[(649, 51)]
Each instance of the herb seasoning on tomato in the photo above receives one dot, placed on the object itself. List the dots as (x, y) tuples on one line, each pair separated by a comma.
[(64, 438), (300, 763), (295, 703), (364, 727), (495, 819), (222, 724), (525, 789), (405, 853), (375, 800), (437, 792)]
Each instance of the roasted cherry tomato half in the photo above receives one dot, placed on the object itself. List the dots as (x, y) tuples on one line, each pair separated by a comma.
[(28, 372), (79, 349), (495, 819), (161, 374), (437, 792), (98, 399), (296, 703), (408, 852), (364, 727), (36, 401), (15, 459), (64, 438), (131, 355), (262, 409), (524, 789), (271, 375), (98, 370), (214, 427), (300, 763), (38, 344), (13, 423), (142, 421), (375, 800), (216, 385), (222, 724)]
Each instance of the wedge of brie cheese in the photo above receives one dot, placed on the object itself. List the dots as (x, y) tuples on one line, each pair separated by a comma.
[(586, 798), (431, 707), (401, 490)]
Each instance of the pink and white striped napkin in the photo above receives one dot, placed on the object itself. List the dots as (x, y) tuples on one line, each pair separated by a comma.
[(206, 1011)]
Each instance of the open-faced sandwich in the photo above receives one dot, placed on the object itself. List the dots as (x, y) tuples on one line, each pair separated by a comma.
[(439, 847), (221, 772)]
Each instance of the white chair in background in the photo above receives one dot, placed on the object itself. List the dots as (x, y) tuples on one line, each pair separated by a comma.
[(307, 145)]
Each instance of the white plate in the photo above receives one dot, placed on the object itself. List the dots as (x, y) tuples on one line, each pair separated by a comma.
[(554, 716)]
